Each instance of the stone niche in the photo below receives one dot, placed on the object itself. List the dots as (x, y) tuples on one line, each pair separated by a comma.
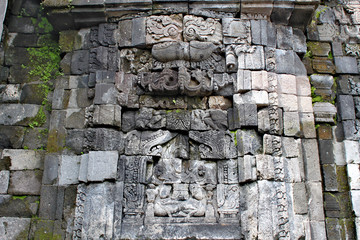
[(193, 128)]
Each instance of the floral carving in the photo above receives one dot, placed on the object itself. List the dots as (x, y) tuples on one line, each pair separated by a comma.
[(163, 28)]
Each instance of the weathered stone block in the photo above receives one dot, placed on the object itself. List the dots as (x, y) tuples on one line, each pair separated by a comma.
[(25, 182), (102, 165), (299, 41), (326, 151), (14, 228), (291, 124), (263, 120), (352, 154), (249, 199), (178, 120), (259, 80), (248, 142), (105, 94), (243, 82), (17, 114), (290, 147), (4, 181), (346, 107), (236, 31), (69, 170), (264, 167), (316, 211), (311, 160), (157, 28), (303, 87), (260, 98), (346, 65), (355, 198), (300, 199), (107, 115), (24, 159), (263, 33), (219, 102), (286, 84), (323, 65), (215, 144), (247, 168), (80, 62), (320, 49), (324, 112), (10, 93), (252, 59), (75, 118), (307, 125), (284, 38), (284, 61), (353, 171), (51, 167), (305, 104), (288, 102)]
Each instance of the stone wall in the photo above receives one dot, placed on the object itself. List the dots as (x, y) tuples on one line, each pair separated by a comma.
[(227, 120)]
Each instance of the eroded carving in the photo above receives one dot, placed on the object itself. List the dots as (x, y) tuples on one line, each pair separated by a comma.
[(134, 60), (228, 202), (214, 144), (163, 28), (151, 142), (196, 28)]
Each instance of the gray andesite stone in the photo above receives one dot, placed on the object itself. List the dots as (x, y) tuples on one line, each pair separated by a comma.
[(316, 210), (4, 181), (69, 170), (346, 107), (324, 112), (284, 38), (330, 177), (25, 182), (17, 114), (248, 142), (326, 150), (311, 160), (284, 61), (291, 124), (351, 150), (102, 165), (22, 159), (353, 171), (355, 198), (300, 198), (51, 167), (14, 228), (346, 65), (249, 199), (247, 168)]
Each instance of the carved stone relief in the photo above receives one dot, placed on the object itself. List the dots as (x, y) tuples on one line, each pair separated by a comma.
[(163, 28)]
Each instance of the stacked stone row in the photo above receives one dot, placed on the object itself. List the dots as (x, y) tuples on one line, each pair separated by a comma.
[(332, 61)]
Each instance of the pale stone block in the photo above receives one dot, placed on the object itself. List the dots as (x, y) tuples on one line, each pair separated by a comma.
[(102, 165), (259, 80), (288, 102), (265, 167), (291, 124), (315, 193), (83, 167), (294, 170), (351, 151), (307, 125), (299, 198), (286, 84), (243, 81), (263, 120), (324, 112), (354, 176), (273, 99), (4, 181), (252, 59), (272, 82), (311, 159), (249, 199), (13, 228), (260, 98), (305, 104), (265, 212), (247, 168), (317, 229), (69, 170), (338, 150), (303, 87), (22, 159), (290, 147), (355, 198)]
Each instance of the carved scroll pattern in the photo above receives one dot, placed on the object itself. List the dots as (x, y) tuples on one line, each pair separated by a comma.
[(79, 211), (163, 27)]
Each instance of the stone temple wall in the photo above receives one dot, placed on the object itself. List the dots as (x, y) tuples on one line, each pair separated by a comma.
[(181, 119)]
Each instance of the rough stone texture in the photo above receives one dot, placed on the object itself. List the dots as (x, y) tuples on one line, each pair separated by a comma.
[(346, 65), (102, 165), (353, 171), (24, 159), (26, 182), (69, 170), (311, 160), (16, 114), (351, 149), (14, 228), (4, 181)]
